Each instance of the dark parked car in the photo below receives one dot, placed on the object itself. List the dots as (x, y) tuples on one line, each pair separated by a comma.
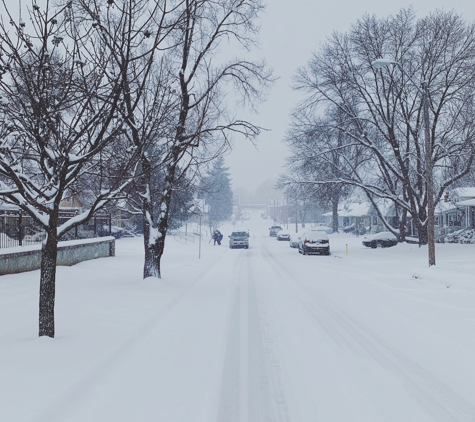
[(380, 240), (274, 230), (314, 242)]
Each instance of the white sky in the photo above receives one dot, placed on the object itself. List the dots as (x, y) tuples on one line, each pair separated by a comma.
[(290, 32)]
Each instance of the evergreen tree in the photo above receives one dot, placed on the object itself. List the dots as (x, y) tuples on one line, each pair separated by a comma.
[(218, 193)]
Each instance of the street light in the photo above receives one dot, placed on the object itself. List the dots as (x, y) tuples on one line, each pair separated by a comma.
[(378, 64)]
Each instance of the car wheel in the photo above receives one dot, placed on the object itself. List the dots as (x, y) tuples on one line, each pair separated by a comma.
[(373, 245), (379, 245)]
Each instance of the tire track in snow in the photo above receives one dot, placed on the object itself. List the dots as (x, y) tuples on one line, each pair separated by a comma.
[(439, 400), (251, 387), (229, 402), (64, 405)]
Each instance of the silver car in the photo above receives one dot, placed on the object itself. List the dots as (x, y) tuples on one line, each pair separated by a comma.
[(274, 230), (239, 240)]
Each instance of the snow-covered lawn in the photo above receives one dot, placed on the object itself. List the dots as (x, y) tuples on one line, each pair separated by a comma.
[(264, 334)]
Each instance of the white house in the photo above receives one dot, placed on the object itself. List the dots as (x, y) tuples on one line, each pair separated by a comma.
[(455, 212)]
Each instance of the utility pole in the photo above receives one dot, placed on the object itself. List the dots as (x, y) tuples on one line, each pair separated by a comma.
[(199, 247), (423, 91), (429, 178), (296, 216)]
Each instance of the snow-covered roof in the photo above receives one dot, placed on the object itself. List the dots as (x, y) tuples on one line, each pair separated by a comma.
[(467, 192), (385, 206), (467, 203), (8, 207), (443, 206), (353, 209)]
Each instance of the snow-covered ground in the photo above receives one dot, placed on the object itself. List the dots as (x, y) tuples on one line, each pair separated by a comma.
[(264, 334)]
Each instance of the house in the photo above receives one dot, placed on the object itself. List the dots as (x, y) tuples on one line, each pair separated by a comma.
[(455, 212), (352, 216), (362, 217)]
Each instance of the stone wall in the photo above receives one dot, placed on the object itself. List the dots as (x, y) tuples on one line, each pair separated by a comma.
[(18, 260)]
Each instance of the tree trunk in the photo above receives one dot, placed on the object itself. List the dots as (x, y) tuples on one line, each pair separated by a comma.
[(152, 248), (402, 226), (153, 254), (155, 233), (422, 230), (335, 214), (48, 282)]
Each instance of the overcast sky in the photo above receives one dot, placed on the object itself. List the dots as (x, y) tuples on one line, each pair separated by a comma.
[(290, 31)]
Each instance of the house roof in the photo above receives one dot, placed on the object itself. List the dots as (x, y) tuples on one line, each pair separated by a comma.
[(467, 203), (7, 207), (443, 206), (467, 192), (385, 206), (353, 209)]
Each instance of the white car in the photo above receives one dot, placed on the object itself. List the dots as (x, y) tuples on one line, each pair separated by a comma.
[(326, 229), (283, 235), (380, 240), (314, 242)]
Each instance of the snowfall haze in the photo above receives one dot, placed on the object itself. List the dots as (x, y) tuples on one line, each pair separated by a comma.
[(258, 334)]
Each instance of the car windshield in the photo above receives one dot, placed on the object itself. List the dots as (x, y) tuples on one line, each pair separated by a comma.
[(382, 235), (239, 234), (320, 235)]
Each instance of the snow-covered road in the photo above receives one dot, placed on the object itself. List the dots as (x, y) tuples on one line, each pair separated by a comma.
[(263, 334)]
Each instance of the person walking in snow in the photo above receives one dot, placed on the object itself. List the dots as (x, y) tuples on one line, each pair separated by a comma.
[(217, 237)]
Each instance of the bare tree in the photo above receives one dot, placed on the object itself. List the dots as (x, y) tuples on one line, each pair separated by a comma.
[(59, 121), (136, 35), (322, 157), (204, 126), (384, 110), (173, 92)]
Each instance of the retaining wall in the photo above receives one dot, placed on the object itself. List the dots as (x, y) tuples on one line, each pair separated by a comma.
[(28, 258)]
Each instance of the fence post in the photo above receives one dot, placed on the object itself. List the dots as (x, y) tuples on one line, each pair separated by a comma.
[(95, 227), (20, 229), (110, 224)]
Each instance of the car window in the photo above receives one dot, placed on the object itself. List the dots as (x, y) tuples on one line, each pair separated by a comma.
[(239, 234), (317, 236), (384, 235)]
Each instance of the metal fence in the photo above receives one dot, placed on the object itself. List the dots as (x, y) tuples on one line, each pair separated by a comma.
[(16, 229)]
